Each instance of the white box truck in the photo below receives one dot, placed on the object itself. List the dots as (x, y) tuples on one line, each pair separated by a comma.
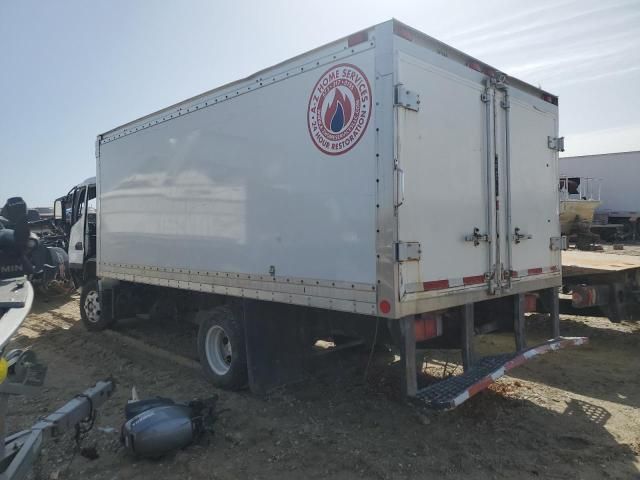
[(384, 186)]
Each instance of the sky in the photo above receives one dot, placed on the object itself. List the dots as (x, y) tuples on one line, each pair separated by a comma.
[(71, 69)]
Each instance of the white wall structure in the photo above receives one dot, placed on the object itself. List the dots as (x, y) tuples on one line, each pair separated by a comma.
[(618, 175)]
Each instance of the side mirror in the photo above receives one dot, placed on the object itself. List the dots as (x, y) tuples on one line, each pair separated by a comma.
[(57, 210)]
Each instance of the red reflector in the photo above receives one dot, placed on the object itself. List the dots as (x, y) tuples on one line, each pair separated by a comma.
[(475, 66), (403, 32), (357, 38), (385, 306), (550, 98)]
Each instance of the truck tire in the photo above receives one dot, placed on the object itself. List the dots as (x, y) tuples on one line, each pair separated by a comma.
[(221, 348), (90, 311)]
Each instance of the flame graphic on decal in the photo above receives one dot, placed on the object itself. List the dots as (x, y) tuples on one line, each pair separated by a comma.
[(339, 112)]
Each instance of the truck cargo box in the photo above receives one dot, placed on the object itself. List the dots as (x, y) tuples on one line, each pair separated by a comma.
[(385, 174)]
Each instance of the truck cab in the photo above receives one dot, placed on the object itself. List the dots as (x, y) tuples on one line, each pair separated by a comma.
[(75, 214)]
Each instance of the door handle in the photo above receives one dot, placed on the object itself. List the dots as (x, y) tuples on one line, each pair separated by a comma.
[(518, 236), (399, 186), (476, 237), (78, 246)]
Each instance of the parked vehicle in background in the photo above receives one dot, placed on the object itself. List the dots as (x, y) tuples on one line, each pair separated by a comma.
[(579, 198), (16, 292), (74, 217), (607, 183), (617, 175), (47, 259), (21, 372), (607, 281), (384, 186)]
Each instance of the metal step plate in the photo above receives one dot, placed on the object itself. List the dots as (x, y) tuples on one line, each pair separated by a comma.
[(454, 391)]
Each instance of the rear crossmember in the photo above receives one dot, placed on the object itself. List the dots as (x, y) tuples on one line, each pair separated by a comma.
[(480, 372)]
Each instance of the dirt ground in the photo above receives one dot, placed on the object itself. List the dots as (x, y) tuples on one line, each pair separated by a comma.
[(570, 414)]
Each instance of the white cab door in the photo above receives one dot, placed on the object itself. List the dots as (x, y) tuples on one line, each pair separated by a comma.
[(77, 233)]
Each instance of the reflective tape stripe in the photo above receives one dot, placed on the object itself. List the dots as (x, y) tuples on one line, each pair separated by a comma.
[(474, 280), (471, 280), (480, 279), (435, 285)]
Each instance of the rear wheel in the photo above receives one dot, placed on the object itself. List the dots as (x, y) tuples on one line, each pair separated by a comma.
[(221, 348), (90, 309)]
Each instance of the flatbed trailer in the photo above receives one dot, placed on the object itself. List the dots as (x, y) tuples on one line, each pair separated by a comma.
[(605, 280)]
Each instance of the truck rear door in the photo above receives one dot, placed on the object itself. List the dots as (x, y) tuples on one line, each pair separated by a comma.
[(477, 193), (528, 167), (444, 184)]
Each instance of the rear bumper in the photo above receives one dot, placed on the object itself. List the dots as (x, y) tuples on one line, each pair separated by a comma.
[(454, 391), (416, 303)]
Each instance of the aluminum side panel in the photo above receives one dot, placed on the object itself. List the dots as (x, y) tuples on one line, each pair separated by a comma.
[(241, 187), (387, 221)]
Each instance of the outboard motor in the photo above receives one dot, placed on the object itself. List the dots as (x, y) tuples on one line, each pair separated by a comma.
[(158, 426), (15, 239), (16, 293)]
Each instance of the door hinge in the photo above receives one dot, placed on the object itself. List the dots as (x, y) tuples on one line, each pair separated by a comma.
[(556, 143), (476, 237), (407, 98), (518, 236), (558, 243), (406, 251)]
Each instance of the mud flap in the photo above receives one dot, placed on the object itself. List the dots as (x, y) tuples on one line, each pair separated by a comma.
[(277, 344), (106, 293)]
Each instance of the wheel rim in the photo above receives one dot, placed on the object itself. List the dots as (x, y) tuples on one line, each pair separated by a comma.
[(92, 307), (218, 350)]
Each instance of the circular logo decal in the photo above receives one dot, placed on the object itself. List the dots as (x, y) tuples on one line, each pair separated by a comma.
[(339, 109)]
